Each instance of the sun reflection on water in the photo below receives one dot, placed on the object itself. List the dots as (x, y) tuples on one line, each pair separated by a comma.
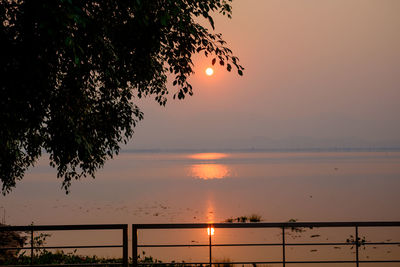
[(208, 156), (210, 210), (207, 166), (209, 171)]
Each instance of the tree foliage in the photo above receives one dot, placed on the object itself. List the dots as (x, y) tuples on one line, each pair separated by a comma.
[(71, 70)]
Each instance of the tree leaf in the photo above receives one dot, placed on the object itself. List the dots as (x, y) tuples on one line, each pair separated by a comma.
[(210, 19)]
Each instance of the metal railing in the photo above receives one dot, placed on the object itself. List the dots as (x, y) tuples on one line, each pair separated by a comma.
[(357, 242), (31, 229)]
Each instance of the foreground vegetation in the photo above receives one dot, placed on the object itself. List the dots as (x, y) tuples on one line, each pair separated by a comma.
[(58, 257), (61, 257)]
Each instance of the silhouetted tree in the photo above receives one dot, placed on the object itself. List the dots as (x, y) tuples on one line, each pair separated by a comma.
[(70, 70)]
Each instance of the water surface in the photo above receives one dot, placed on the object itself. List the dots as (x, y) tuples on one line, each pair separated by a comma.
[(211, 187)]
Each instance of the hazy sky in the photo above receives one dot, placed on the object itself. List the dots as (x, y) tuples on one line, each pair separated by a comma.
[(319, 73)]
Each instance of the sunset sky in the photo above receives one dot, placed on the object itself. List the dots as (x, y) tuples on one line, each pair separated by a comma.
[(318, 74)]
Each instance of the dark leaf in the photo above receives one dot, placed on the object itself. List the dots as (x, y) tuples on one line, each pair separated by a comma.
[(210, 19)]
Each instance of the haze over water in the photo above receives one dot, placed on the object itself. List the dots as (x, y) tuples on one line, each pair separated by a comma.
[(211, 187)]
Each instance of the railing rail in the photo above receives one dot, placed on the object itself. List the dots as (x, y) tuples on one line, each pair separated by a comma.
[(41, 228), (357, 242)]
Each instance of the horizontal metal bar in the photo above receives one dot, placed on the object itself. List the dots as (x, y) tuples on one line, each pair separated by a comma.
[(268, 225), (55, 247), (64, 227), (173, 246), (319, 244), (263, 244), (381, 243), (207, 263), (378, 261), (99, 246), (344, 261), (72, 264), (207, 245), (352, 261), (245, 245), (268, 262), (259, 244)]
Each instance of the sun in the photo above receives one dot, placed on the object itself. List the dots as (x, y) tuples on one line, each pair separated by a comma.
[(209, 71)]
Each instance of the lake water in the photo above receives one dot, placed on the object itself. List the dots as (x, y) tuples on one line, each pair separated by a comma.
[(211, 187)]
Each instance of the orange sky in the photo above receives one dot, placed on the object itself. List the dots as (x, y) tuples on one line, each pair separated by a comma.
[(318, 74)]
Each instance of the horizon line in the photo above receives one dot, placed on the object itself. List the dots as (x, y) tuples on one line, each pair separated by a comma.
[(253, 149)]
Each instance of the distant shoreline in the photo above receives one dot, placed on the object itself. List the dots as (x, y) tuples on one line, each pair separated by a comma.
[(263, 150)]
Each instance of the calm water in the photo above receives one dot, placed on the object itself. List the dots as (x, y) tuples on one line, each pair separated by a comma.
[(211, 187)]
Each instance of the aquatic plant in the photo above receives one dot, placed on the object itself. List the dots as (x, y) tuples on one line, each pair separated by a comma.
[(358, 242), (255, 218), (243, 219)]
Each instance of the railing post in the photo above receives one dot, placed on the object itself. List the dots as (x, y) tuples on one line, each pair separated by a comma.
[(125, 245), (283, 247), (357, 245), (134, 246), (32, 245), (210, 256)]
